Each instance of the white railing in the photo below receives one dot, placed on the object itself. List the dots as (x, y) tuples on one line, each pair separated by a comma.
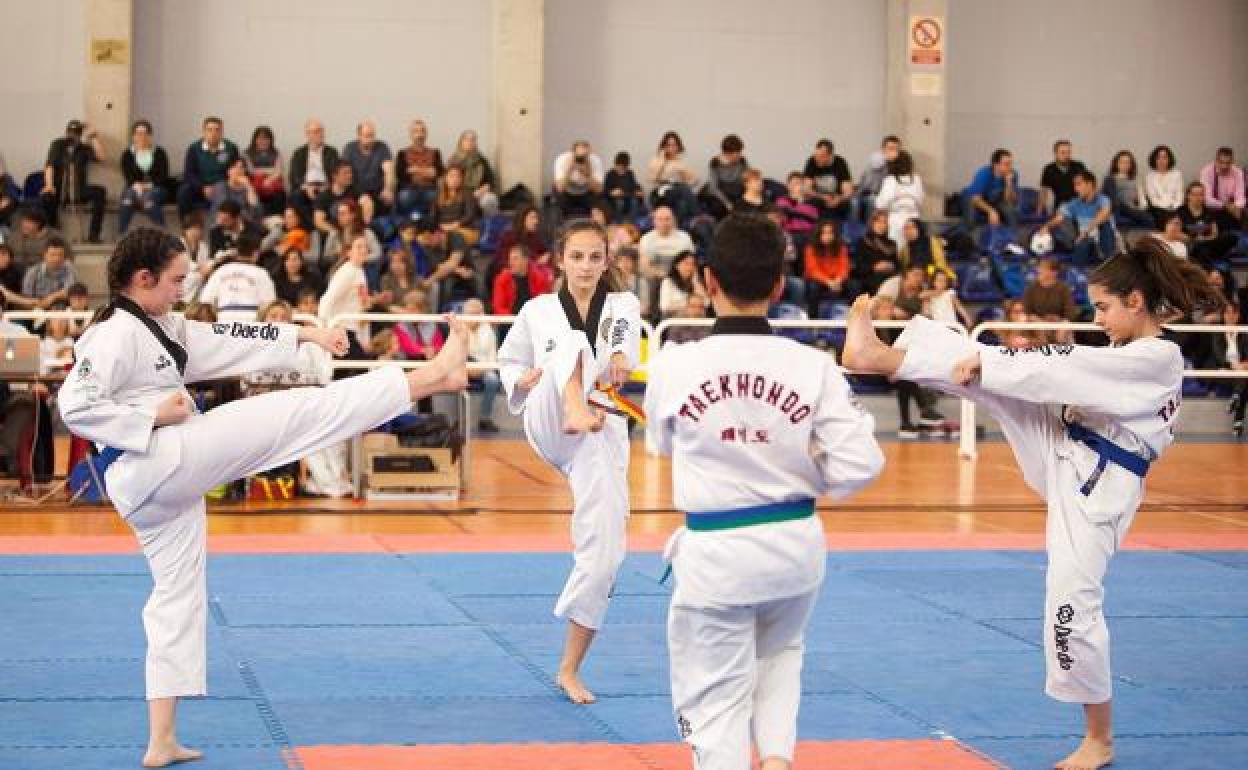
[(86, 315), (967, 444)]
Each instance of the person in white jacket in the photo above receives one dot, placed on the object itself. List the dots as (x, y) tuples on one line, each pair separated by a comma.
[(901, 195), (1085, 424), (1163, 184), (127, 394)]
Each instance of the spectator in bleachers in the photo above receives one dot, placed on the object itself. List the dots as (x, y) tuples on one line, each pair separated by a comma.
[(264, 168), (56, 345), (725, 179), (370, 159), (10, 194), (31, 237), (204, 166), (311, 167), (695, 307), (1048, 298), (347, 292), (829, 181), (680, 283), (993, 193), (478, 175), (65, 175), (753, 197), (579, 177), (79, 302), (239, 287), (627, 266), (1125, 191), (483, 349), (145, 170), (660, 247), (399, 278), (47, 282), (408, 240), (198, 250), (941, 303), (519, 283), (826, 267), (526, 229), (455, 210), (600, 215), (418, 340), (799, 210), (1231, 352), (231, 224), (1163, 184), (1224, 189), (10, 274), (1019, 339), (295, 277), (1084, 225), (1208, 244), (623, 193), (794, 287), (348, 224), (309, 302), (672, 181), (417, 170), (341, 189), (901, 194), (911, 301), (1173, 236), (875, 257), (875, 172), (291, 233), (237, 187), (918, 248), (1057, 179), (454, 277)]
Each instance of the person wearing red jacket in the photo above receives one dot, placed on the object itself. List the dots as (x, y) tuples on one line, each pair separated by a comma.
[(520, 282)]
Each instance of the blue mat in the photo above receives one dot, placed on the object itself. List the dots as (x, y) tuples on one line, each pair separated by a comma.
[(462, 648)]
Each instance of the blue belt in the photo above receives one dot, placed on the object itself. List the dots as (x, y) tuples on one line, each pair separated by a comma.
[(705, 521), (1108, 452), (107, 456)]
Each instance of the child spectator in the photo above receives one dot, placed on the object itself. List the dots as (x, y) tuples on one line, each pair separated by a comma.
[(725, 182), (827, 267), (56, 347), (800, 214), (753, 196), (197, 248), (919, 249), (418, 340), (630, 279), (398, 279), (79, 302), (941, 303), (483, 349), (794, 287), (308, 302), (292, 233), (1018, 339), (624, 195)]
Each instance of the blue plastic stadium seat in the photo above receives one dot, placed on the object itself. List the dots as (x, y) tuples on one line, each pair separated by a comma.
[(491, 230)]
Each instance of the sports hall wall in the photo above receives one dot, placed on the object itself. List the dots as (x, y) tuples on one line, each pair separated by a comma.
[(1107, 74)]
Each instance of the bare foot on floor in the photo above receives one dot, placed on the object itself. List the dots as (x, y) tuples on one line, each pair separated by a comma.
[(165, 756), (1091, 755), (862, 347), (574, 689)]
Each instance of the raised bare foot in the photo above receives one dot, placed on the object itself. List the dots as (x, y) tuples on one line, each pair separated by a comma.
[(575, 690), (862, 346), (583, 419), (1091, 755), (449, 367), (163, 756)]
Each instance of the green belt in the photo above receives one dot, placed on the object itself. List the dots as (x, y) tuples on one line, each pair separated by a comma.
[(710, 521)]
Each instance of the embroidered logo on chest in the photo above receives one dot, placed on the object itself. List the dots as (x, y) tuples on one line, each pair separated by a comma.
[(604, 329), (163, 362)]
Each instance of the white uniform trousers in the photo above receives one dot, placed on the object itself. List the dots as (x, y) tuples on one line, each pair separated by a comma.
[(1079, 542), (228, 443), (736, 675), (596, 466)]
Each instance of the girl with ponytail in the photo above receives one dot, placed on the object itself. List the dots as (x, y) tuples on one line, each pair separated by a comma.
[(560, 364), (1085, 424)]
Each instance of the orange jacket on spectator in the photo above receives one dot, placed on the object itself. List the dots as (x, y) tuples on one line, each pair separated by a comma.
[(824, 269), (505, 288)]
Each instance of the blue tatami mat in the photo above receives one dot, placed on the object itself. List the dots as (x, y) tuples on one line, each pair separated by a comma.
[(462, 648)]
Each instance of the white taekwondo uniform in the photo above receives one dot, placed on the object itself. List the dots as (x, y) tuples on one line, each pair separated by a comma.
[(1084, 424), (550, 335), (758, 426), (238, 290), (130, 363)]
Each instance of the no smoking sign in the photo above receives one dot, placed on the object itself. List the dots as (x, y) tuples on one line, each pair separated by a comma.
[(926, 40)]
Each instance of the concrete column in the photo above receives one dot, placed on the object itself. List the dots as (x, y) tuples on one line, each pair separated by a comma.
[(516, 101), (916, 102), (106, 95)]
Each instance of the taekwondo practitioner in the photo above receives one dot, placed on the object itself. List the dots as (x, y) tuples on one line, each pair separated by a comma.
[(1085, 424), (757, 426), (127, 393), (559, 365)]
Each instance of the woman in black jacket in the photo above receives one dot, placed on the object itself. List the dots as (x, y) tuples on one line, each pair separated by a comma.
[(875, 257), (146, 170)]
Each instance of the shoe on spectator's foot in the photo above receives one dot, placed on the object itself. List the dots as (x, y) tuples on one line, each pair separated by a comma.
[(907, 431), (486, 425), (1238, 428), (930, 418)]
